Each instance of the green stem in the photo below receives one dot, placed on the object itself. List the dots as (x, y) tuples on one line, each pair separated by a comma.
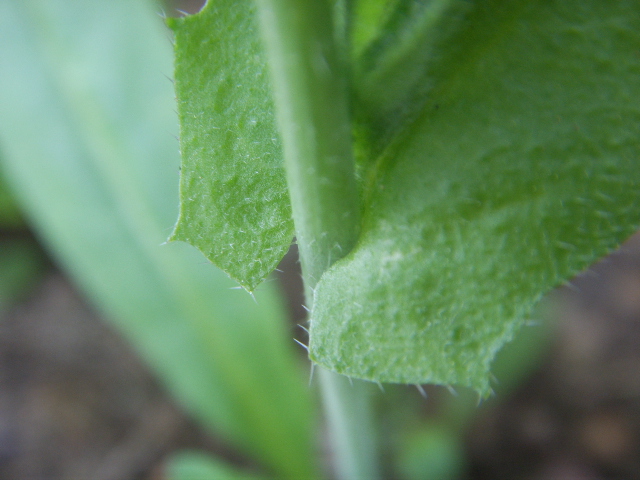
[(313, 118), (347, 407), (310, 93)]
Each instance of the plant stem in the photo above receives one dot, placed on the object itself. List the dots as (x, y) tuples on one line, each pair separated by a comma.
[(310, 92), (313, 118), (351, 429)]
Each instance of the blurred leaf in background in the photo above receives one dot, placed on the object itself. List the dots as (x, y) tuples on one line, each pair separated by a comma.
[(21, 260), (85, 128), (189, 465)]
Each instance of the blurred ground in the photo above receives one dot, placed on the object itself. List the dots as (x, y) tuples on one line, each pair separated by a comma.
[(76, 403)]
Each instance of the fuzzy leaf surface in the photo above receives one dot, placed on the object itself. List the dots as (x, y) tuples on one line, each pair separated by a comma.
[(234, 200), (518, 170)]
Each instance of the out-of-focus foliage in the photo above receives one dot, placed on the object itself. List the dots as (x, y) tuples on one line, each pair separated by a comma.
[(85, 128), (189, 465), (21, 263)]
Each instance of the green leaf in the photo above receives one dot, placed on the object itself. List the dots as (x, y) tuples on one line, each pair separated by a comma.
[(367, 20), (191, 465), (21, 265), (85, 122), (391, 65), (234, 201), (435, 452), (10, 215), (520, 171)]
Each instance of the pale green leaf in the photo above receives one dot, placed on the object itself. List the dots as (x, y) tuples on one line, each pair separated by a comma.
[(434, 452), (191, 465), (520, 171), (234, 200), (85, 126)]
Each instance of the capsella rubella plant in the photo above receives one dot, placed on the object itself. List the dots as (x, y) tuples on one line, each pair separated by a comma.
[(443, 164)]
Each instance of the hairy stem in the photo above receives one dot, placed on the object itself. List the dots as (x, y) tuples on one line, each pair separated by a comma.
[(313, 118)]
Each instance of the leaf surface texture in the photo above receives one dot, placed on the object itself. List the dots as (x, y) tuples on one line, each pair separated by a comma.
[(234, 201), (512, 168)]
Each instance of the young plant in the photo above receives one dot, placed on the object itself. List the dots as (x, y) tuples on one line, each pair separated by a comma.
[(446, 164), (495, 146), (442, 165)]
